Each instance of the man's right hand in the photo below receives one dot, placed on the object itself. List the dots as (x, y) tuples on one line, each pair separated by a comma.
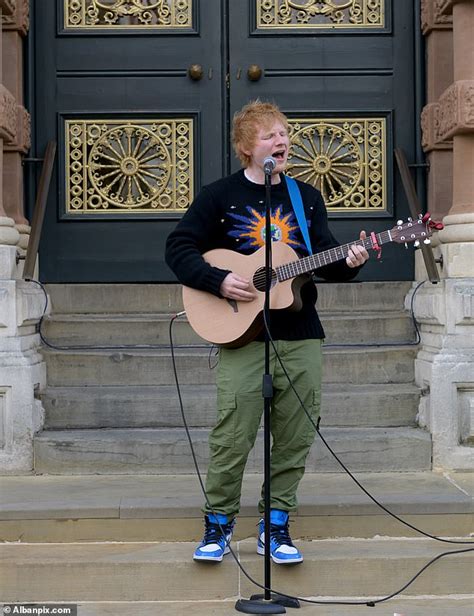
[(236, 287)]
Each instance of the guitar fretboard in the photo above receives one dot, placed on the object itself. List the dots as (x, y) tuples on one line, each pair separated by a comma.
[(320, 259)]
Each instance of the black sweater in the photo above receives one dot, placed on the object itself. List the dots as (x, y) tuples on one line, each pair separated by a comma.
[(230, 213)]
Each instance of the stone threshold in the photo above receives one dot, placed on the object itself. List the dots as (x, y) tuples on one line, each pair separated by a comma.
[(51, 508), (161, 496), (413, 606)]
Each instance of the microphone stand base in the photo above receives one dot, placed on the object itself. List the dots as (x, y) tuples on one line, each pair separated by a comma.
[(279, 599), (258, 605)]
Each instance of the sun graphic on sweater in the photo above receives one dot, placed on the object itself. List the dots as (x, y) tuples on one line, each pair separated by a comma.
[(251, 231)]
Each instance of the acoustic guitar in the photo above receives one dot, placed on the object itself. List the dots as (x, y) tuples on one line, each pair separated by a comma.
[(233, 324)]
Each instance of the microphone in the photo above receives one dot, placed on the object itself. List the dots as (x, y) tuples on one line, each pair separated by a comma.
[(268, 165)]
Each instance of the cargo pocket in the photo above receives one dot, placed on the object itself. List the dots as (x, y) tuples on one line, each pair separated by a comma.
[(223, 433), (314, 409)]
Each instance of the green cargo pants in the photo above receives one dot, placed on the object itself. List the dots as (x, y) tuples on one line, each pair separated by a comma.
[(239, 411)]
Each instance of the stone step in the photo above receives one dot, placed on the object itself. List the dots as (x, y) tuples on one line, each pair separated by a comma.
[(386, 364), (156, 571), (79, 508), (411, 606), (167, 451), (149, 329), (158, 407), (130, 298)]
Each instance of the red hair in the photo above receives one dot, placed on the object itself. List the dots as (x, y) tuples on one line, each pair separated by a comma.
[(248, 120)]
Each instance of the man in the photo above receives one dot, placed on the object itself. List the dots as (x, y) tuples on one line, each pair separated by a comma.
[(230, 213)]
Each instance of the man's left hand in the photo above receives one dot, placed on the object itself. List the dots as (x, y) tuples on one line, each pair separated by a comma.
[(357, 255)]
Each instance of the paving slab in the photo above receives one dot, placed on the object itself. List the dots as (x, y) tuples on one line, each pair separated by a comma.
[(127, 406), (367, 567), (83, 330), (358, 364), (405, 606), (180, 495), (463, 480), (119, 298), (165, 571), (168, 508), (161, 496), (166, 451)]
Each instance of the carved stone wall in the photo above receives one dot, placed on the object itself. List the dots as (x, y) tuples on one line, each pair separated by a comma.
[(438, 30), (22, 370), (15, 27), (445, 364)]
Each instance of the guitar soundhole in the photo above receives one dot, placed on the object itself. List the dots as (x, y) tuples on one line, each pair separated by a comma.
[(259, 279)]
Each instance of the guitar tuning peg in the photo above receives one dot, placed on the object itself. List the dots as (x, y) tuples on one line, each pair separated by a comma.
[(406, 245), (399, 222), (410, 219), (427, 241), (417, 243)]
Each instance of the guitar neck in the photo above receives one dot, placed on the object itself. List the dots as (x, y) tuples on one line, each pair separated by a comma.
[(320, 259)]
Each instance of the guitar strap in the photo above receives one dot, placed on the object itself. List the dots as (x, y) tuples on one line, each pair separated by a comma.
[(297, 203)]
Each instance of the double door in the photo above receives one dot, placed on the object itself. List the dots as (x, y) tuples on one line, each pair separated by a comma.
[(140, 96)]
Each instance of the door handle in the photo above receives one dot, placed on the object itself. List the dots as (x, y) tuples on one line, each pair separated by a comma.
[(254, 72), (195, 72)]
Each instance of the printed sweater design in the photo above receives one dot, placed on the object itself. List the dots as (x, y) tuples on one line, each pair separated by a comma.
[(230, 213)]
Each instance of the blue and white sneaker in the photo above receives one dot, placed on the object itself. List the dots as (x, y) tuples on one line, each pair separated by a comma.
[(282, 550), (215, 544)]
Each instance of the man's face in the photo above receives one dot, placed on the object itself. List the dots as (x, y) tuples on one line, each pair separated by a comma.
[(270, 141)]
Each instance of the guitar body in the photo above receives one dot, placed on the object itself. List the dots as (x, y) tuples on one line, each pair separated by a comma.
[(233, 324)]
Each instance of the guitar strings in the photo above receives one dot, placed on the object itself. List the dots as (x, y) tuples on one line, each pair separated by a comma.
[(311, 262)]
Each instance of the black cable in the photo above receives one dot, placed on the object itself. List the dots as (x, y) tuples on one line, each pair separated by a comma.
[(145, 347), (193, 454), (121, 347), (369, 603), (341, 463)]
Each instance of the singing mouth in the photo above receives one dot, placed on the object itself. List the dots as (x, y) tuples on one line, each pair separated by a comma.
[(279, 155)]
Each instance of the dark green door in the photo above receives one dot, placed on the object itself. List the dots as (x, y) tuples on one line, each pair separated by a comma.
[(343, 72), (138, 136)]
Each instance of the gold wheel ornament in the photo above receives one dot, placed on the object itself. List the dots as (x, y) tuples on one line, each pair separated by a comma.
[(343, 159), (128, 167), (328, 157)]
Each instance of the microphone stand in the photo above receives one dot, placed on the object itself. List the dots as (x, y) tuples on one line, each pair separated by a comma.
[(268, 603)]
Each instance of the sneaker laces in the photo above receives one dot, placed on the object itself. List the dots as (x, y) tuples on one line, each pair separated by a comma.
[(281, 534), (213, 533)]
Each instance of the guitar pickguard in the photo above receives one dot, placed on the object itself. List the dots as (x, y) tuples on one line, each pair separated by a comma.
[(233, 304)]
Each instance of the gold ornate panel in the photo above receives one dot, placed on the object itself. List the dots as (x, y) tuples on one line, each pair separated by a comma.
[(317, 14), (128, 166), (123, 14), (344, 158)]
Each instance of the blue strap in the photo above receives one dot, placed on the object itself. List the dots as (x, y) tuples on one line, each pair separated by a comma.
[(298, 208)]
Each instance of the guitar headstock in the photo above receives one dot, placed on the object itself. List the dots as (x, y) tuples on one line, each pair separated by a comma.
[(416, 230)]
